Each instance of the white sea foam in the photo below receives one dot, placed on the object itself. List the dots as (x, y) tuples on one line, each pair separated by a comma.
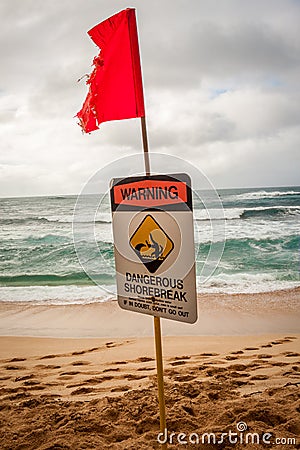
[(235, 230), (58, 295), (237, 213), (218, 214), (263, 194), (83, 295), (247, 283)]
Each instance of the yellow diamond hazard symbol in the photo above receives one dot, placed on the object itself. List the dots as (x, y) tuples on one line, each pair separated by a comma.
[(151, 243)]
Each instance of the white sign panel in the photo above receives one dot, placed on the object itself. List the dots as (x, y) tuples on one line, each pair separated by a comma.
[(153, 232)]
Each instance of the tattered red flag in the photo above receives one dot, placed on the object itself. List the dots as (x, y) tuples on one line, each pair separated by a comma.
[(115, 85)]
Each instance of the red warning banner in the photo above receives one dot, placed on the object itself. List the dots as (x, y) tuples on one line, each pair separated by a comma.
[(148, 193)]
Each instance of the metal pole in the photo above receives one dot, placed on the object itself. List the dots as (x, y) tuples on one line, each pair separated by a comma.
[(157, 327)]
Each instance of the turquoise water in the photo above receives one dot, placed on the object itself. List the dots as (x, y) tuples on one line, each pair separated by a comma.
[(37, 251)]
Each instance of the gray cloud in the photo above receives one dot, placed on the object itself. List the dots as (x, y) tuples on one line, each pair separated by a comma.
[(221, 88), (218, 51)]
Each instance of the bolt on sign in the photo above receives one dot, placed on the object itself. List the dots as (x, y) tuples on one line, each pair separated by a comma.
[(152, 218)]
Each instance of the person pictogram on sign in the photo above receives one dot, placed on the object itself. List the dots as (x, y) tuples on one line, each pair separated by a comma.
[(151, 243), (158, 249)]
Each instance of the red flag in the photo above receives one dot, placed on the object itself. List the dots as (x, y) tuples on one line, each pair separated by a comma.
[(115, 85)]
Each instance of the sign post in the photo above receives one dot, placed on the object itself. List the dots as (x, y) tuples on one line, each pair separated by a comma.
[(152, 222), (157, 327), (160, 376)]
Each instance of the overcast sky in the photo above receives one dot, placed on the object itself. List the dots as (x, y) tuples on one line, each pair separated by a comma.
[(221, 81)]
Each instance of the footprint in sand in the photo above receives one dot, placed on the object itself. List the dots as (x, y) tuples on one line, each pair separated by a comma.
[(36, 388), (72, 372), (82, 352), (184, 378), (177, 363), (290, 383), (280, 341), (181, 357), (19, 396), (49, 356), (251, 348), (11, 390), (209, 354), (239, 383), (82, 390), (106, 378), (110, 344), (216, 371), (291, 354), (230, 358), (80, 363), (237, 367), (204, 366), (49, 396), (17, 360), (113, 344), (110, 369), (120, 389), (259, 377), (25, 377), (238, 352), (98, 380), (189, 410), (144, 359), (239, 374), (278, 363), (293, 372), (47, 366), (263, 356), (14, 368), (89, 381), (131, 377), (31, 383)]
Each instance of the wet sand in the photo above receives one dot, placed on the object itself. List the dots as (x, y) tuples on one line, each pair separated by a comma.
[(218, 314)]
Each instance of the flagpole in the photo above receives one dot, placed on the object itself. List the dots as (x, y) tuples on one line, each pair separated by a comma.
[(157, 327), (145, 146)]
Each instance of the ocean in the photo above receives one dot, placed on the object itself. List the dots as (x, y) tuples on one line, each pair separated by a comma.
[(39, 263)]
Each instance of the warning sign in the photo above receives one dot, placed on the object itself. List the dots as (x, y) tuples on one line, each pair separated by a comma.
[(151, 243), (152, 221)]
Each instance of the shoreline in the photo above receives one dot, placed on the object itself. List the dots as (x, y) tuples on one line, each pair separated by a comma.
[(218, 314)]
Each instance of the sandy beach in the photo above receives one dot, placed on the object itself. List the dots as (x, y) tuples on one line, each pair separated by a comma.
[(70, 391)]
